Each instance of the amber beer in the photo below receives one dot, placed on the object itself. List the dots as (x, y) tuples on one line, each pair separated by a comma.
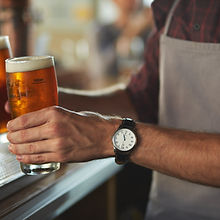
[(32, 85), (5, 53)]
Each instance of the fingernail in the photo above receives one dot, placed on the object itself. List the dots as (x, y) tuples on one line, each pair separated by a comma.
[(10, 147), (19, 157), (9, 124)]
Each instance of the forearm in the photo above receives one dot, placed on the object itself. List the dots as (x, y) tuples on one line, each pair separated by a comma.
[(73, 137), (110, 101), (187, 155)]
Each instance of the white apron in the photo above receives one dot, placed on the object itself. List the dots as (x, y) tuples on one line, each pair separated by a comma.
[(189, 99)]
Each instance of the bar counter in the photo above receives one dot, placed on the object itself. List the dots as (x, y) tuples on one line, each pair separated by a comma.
[(47, 196)]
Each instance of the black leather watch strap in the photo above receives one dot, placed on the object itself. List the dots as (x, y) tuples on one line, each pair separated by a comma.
[(127, 123), (121, 158)]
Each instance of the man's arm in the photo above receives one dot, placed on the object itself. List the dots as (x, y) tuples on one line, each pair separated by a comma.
[(73, 137), (183, 154)]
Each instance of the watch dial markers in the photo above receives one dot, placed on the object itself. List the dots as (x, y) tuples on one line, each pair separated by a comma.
[(124, 139)]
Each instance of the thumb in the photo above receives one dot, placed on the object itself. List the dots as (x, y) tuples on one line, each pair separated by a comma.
[(7, 108)]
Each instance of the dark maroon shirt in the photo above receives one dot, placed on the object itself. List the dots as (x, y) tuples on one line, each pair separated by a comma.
[(193, 20)]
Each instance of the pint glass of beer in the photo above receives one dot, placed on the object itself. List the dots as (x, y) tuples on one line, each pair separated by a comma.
[(5, 53), (32, 85)]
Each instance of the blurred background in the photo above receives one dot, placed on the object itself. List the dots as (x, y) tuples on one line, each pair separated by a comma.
[(96, 43)]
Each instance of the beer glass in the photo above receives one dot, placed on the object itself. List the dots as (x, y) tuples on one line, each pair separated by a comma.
[(32, 85), (5, 53)]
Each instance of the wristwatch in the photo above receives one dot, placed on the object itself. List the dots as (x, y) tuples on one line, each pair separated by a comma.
[(124, 141)]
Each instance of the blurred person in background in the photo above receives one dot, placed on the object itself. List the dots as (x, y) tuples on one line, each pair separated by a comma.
[(116, 45), (174, 99)]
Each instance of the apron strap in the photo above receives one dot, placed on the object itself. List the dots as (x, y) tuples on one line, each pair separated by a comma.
[(170, 15)]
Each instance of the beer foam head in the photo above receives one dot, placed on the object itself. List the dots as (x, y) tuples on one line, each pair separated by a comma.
[(28, 63), (4, 42)]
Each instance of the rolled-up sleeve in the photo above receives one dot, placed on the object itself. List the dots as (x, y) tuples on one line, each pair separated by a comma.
[(143, 88)]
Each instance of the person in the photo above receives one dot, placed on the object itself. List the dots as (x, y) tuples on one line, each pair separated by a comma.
[(174, 100), (111, 44)]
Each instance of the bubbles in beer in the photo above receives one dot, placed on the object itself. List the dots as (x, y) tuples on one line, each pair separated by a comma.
[(31, 84)]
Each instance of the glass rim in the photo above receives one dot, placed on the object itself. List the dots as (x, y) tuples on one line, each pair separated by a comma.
[(28, 63), (28, 58)]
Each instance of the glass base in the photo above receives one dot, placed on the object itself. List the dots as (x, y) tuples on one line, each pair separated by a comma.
[(35, 169)]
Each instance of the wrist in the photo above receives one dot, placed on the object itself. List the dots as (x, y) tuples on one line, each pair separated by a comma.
[(113, 125), (144, 152)]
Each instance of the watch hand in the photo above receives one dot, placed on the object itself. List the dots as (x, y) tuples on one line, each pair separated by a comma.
[(122, 144), (123, 141)]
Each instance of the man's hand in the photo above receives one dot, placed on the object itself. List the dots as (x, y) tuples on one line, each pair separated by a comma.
[(55, 134)]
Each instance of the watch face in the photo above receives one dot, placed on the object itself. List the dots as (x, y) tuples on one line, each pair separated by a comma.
[(124, 139)]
